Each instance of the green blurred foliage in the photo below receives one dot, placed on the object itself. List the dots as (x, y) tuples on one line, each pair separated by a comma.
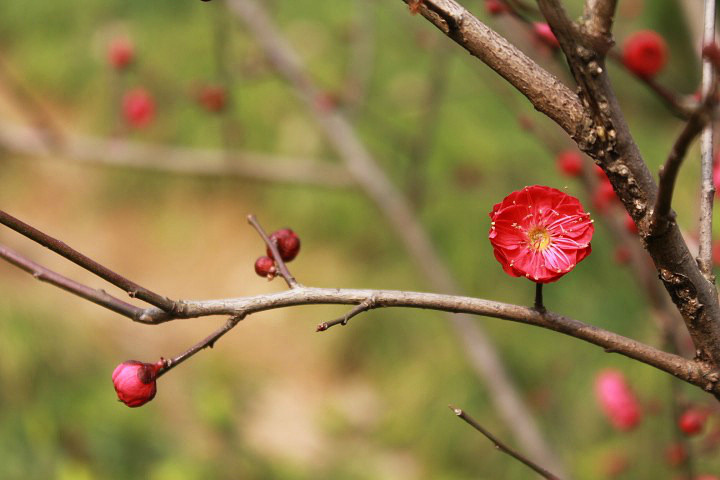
[(364, 402)]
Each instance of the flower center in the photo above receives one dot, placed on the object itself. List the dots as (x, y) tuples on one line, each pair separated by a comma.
[(538, 238)]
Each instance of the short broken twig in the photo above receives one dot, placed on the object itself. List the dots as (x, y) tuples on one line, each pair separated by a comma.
[(363, 306)]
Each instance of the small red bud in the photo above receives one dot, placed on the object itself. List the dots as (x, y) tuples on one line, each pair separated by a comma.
[(288, 244), (138, 107), (617, 400), (545, 34), (645, 53), (213, 98), (603, 196), (495, 7), (569, 162), (716, 253), (135, 382), (326, 101), (675, 455), (265, 267), (120, 53), (711, 51), (622, 255), (692, 422)]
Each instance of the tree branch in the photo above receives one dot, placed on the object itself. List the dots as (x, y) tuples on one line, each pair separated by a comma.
[(545, 91), (501, 446), (598, 20), (64, 250), (99, 297), (707, 186), (669, 171), (165, 158)]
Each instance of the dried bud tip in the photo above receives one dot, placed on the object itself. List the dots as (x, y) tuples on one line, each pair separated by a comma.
[(321, 327)]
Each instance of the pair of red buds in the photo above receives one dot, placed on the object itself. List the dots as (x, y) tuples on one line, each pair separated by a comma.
[(288, 246)]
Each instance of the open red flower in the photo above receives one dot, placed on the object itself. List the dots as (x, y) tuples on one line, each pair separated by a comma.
[(540, 233)]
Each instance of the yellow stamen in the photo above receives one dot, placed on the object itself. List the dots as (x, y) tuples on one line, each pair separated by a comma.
[(538, 239)]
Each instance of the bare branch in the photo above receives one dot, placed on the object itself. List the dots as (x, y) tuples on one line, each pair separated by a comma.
[(707, 186), (545, 91), (99, 297), (502, 446), (669, 171), (62, 249), (289, 279), (692, 371), (478, 348), (207, 342), (165, 158)]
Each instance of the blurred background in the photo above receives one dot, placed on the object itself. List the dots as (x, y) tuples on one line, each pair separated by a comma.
[(273, 399)]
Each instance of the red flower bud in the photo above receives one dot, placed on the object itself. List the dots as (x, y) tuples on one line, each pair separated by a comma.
[(692, 421), (676, 455), (645, 53), (135, 382), (545, 34), (569, 162), (120, 53), (265, 267), (212, 98), (138, 107), (288, 244), (617, 400), (495, 7), (603, 196)]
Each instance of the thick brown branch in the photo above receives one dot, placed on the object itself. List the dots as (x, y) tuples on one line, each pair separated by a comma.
[(598, 20), (64, 250), (544, 90), (608, 141), (43, 274), (501, 446)]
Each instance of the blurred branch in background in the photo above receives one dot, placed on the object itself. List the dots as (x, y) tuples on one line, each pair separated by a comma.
[(172, 159), (399, 215)]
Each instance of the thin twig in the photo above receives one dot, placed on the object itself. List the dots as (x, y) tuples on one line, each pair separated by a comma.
[(64, 250), (502, 446), (43, 274), (539, 305), (361, 307), (208, 342), (669, 171), (707, 186), (289, 279)]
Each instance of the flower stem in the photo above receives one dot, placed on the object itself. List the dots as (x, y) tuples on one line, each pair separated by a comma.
[(539, 298)]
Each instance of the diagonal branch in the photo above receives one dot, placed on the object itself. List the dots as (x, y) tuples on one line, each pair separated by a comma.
[(671, 168), (99, 297), (341, 135), (64, 250), (544, 90), (501, 446)]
